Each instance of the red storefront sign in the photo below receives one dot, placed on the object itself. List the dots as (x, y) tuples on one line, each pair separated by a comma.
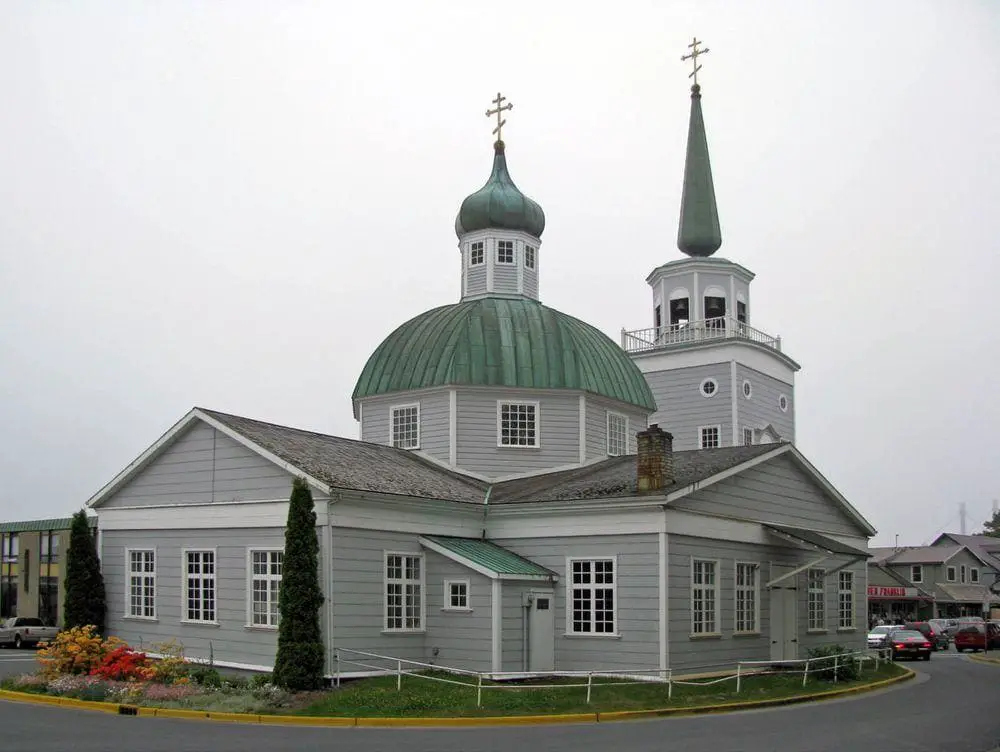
[(893, 591)]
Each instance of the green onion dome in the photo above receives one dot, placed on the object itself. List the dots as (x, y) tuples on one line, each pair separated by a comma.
[(499, 204)]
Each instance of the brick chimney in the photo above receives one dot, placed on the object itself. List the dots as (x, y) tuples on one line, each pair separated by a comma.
[(655, 465)]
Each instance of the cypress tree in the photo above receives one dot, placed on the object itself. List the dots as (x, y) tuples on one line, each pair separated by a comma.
[(299, 663), (84, 602)]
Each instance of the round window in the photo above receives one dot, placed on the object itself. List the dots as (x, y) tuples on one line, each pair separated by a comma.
[(783, 403), (709, 387), (747, 389)]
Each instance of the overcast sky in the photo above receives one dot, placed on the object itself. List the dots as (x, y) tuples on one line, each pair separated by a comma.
[(230, 204)]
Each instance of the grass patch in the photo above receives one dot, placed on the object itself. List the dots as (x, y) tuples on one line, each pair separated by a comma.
[(421, 697)]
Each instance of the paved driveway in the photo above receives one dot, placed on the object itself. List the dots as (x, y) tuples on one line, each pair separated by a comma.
[(954, 706)]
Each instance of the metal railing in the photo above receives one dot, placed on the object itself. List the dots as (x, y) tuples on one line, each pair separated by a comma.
[(400, 667), (721, 327)]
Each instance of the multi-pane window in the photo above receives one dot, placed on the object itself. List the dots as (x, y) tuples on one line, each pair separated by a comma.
[(817, 598), (592, 596), (142, 584), (456, 595), (505, 251), (704, 597), (746, 597), (406, 427), (845, 600), (404, 581), (950, 574), (917, 573), (617, 434), (973, 574), (199, 586), (10, 547), (518, 424), (529, 256), (747, 437), (265, 587), (49, 548), (709, 437), (476, 254)]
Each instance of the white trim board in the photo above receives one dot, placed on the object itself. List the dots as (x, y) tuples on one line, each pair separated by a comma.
[(719, 351)]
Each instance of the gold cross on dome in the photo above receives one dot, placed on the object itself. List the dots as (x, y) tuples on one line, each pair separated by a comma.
[(498, 111), (693, 57)]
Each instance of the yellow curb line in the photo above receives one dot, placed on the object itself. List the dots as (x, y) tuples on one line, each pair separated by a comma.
[(513, 720), (984, 659)]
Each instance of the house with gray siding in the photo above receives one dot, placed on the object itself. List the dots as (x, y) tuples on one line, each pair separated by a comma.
[(510, 506)]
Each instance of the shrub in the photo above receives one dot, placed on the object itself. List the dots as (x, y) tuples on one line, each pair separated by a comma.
[(171, 667), (847, 669), (206, 676), (78, 650), (124, 664)]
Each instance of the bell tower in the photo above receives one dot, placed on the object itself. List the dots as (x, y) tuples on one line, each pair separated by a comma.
[(718, 380)]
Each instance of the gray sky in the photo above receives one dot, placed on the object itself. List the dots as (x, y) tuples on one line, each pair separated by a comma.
[(231, 204)]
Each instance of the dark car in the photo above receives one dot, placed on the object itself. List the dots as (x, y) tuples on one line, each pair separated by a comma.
[(909, 643), (971, 636), (937, 638)]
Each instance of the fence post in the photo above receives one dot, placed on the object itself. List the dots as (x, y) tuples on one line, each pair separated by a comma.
[(739, 671), (670, 684), (336, 655), (836, 662), (590, 683), (479, 692), (399, 676), (805, 674)]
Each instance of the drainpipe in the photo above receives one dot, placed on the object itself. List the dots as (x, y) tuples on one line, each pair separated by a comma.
[(526, 601), (486, 507)]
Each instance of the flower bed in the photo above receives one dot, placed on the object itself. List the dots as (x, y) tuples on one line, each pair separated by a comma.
[(81, 665)]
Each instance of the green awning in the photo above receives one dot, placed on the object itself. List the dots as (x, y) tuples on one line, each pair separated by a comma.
[(488, 558)]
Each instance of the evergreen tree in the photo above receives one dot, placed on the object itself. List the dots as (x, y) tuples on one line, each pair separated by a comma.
[(84, 602), (992, 526), (299, 663)]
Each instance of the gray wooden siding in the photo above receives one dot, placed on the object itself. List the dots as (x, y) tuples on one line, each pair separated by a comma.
[(359, 594), (597, 425), (774, 491), (512, 629), (559, 422), (682, 408), (762, 407), (719, 653), (531, 279), (435, 421), (204, 465), (376, 420), (463, 639), (505, 275), (231, 640), (475, 280), (638, 595)]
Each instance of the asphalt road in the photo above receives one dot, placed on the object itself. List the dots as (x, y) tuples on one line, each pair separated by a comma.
[(953, 706)]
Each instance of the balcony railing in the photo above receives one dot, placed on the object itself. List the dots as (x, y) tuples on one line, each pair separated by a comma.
[(722, 327)]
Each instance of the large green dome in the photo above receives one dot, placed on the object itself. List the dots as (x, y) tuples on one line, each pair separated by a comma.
[(506, 342), (500, 205)]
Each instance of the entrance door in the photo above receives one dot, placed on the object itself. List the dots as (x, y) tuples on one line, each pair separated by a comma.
[(784, 613), (541, 631)]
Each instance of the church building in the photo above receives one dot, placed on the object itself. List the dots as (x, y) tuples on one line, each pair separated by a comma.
[(527, 494)]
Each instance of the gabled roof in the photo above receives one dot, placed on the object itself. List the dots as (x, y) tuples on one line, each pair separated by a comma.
[(486, 557), (986, 548), (925, 555), (964, 593), (882, 554)]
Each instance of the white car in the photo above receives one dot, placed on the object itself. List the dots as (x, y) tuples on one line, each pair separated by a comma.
[(877, 637)]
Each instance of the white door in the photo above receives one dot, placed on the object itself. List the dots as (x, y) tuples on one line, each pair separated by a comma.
[(541, 632), (783, 617)]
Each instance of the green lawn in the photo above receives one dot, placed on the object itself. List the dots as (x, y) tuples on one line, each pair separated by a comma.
[(422, 697)]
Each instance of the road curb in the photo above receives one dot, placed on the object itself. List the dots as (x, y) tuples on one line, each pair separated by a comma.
[(984, 659), (515, 720)]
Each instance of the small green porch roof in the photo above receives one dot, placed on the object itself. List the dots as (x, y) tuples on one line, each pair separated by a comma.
[(488, 558), (41, 526)]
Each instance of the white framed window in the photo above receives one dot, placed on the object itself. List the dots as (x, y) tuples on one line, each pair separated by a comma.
[(517, 424), (783, 403), (747, 388), (917, 573), (456, 595), (961, 571), (949, 574), (265, 567), (973, 575), (406, 426), (199, 586), (529, 256), (592, 595), (709, 388), (617, 434), (816, 579), (747, 597), (476, 253), (505, 251), (704, 597), (708, 437), (747, 437), (845, 600), (404, 592), (141, 583)]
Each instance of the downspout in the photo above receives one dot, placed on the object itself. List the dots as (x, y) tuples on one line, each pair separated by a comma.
[(486, 508), (526, 610)]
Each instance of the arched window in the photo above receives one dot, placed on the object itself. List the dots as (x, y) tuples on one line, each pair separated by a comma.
[(680, 307), (715, 308)]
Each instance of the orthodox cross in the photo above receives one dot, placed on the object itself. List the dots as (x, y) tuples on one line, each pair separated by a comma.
[(693, 57), (498, 111)]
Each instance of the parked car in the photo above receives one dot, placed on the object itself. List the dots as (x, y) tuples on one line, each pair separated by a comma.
[(938, 640), (972, 637), (909, 643), (877, 636), (25, 631)]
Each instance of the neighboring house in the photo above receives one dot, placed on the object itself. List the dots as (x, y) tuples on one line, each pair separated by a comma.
[(891, 596), (32, 568)]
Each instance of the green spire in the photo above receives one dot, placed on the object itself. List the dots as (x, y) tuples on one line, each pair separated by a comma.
[(699, 233)]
